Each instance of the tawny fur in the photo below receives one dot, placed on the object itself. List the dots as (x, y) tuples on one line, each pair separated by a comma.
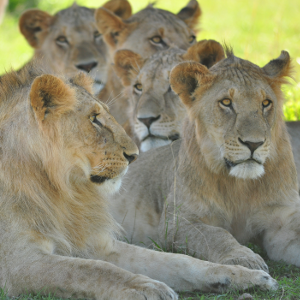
[(69, 41), (61, 155), (135, 34), (155, 99), (202, 194)]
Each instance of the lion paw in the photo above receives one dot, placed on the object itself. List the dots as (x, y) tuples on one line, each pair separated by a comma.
[(142, 287), (245, 257), (264, 281)]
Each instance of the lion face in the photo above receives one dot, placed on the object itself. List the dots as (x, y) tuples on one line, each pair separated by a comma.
[(68, 42), (92, 140), (157, 113), (235, 107), (150, 30)]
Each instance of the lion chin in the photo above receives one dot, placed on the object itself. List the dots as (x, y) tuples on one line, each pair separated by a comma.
[(247, 170), (152, 142)]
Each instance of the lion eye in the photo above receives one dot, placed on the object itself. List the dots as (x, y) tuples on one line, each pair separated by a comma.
[(138, 87), (226, 102), (156, 39), (97, 34), (192, 39), (62, 39), (94, 120), (266, 103)]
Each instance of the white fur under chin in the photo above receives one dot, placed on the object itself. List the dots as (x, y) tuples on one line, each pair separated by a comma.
[(151, 143), (112, 186), (247, 170)]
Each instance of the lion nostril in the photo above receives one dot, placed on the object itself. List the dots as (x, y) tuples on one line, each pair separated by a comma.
[(87, 67), (148, 121), (130, 158), (251, 145)]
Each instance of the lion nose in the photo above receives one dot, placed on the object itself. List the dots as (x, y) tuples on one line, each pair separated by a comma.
[(251, 145), (87, 67), (130, 158), (148, 121)]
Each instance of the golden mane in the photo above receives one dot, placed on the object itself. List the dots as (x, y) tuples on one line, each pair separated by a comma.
[(37, 179)]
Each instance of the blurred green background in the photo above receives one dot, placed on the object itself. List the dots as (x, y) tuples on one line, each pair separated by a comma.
[(257, 31)]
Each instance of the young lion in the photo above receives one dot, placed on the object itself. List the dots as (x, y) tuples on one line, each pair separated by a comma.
[(69, 41), (232, 179), (146, 32), (156, 112), (61, 154)]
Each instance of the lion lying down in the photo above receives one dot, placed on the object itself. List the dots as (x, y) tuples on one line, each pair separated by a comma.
[(59, 150), (230, 180)]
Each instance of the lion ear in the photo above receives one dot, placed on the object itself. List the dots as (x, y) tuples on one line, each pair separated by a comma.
[(185, 78), (110, 25), (34, 25), (206, 52), (127, 65), (121, 8), (191, 14), (50, 96), (279, 67), (84, 81)]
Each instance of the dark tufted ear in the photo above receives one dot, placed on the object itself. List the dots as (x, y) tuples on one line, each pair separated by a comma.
[(206, 52), (121, 8), (34, 25), (127, 65), (186, 77), (50, 97), (279, 67), (191, 14)]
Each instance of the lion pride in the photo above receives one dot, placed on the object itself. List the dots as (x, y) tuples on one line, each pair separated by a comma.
[(146, 32), (69, 41), (230, 180), (61, 155)]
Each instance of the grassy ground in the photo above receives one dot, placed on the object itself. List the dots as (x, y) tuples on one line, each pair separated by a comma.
[(257, 30)]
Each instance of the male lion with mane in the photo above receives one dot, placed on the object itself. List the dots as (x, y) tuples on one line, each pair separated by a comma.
[(156, 112), (69, 41), (61, 155), (231, 179)]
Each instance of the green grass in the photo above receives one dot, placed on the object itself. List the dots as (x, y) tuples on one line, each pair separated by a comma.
[(257, 30)]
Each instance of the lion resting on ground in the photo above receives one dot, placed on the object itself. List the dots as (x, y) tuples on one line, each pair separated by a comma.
[(146, 32), (69, 41), (230, 180), (61, 154), (156, 112)]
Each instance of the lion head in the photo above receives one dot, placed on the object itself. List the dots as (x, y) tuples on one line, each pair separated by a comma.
[(70, 41), (59, 125), (235, 110), (150, 30), (156, 112)]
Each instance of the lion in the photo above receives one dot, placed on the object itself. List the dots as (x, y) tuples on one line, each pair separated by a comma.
[(69, 41), (146, 32), (156, 112), (230, 180), (61, 155)]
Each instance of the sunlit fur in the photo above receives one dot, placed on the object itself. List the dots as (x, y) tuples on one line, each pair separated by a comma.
[(83, 44), (135, 34)]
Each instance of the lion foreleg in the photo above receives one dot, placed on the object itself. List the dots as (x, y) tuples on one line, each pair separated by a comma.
[(183, 272), (281, 238), (207, 242)]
